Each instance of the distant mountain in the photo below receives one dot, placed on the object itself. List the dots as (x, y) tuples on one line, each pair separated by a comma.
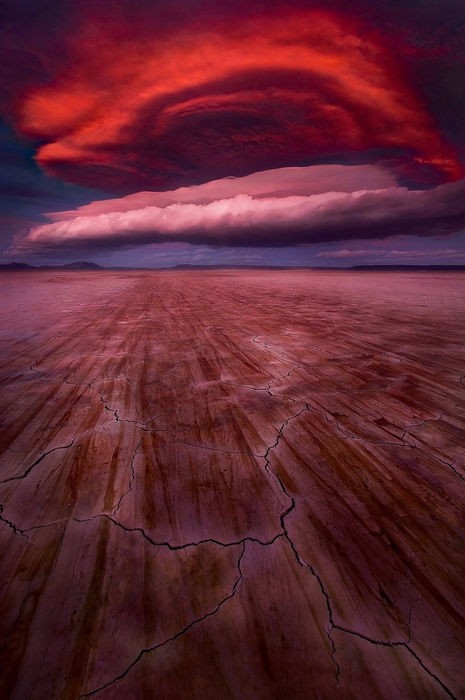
[(399, 268), (16, 266), (79, 265), (354, 268), (187, 266), (85, 265)]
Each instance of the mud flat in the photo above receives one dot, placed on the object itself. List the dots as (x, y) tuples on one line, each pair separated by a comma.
[(232, 485)]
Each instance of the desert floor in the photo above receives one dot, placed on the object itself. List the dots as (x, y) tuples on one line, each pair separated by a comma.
[(232, 485)]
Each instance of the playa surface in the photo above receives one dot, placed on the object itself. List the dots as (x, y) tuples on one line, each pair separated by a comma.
[(241, 485)]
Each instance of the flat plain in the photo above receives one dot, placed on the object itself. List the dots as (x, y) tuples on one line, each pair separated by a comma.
[(238, 485)]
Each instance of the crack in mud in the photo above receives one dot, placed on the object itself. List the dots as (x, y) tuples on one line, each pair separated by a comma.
[(176, 636), (133, 476), (39, 459), (412, 445), (168, 545), (11, 525), (302, 563), (32, 466), (118, 419)]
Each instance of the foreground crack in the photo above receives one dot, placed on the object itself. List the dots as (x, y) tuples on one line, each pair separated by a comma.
[(48, 452), (39, 459), (103, 399), (176, 636), (376, 642), (429, 672), (333, 625), (284, 529), (133, 476), (168, 545), (11, 525), (443, 461), (333, 656), (403, 441)]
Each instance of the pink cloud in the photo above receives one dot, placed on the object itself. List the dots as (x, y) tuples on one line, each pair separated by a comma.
[(342, 253), (274, 208), (279, 182)]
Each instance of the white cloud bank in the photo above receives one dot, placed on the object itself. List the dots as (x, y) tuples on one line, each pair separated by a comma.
[(273, 208)]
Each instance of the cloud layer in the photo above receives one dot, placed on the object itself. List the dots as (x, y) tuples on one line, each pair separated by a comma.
[(135, 109), (226, 213), (279, 182)]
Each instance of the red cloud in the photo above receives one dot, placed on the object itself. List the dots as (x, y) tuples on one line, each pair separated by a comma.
[(163, 109)]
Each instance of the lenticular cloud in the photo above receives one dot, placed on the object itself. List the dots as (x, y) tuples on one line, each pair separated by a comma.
[(272, 208)]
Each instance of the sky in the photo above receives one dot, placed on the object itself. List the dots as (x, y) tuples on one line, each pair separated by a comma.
[(160, 132)]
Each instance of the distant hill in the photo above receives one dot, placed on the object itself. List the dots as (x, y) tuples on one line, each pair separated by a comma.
[(399, 268), (16, 266), (187, 266), (355, 268), (85, 265), (79, 265)]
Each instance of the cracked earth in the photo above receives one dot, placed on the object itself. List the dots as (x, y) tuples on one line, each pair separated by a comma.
[(232, 485)]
